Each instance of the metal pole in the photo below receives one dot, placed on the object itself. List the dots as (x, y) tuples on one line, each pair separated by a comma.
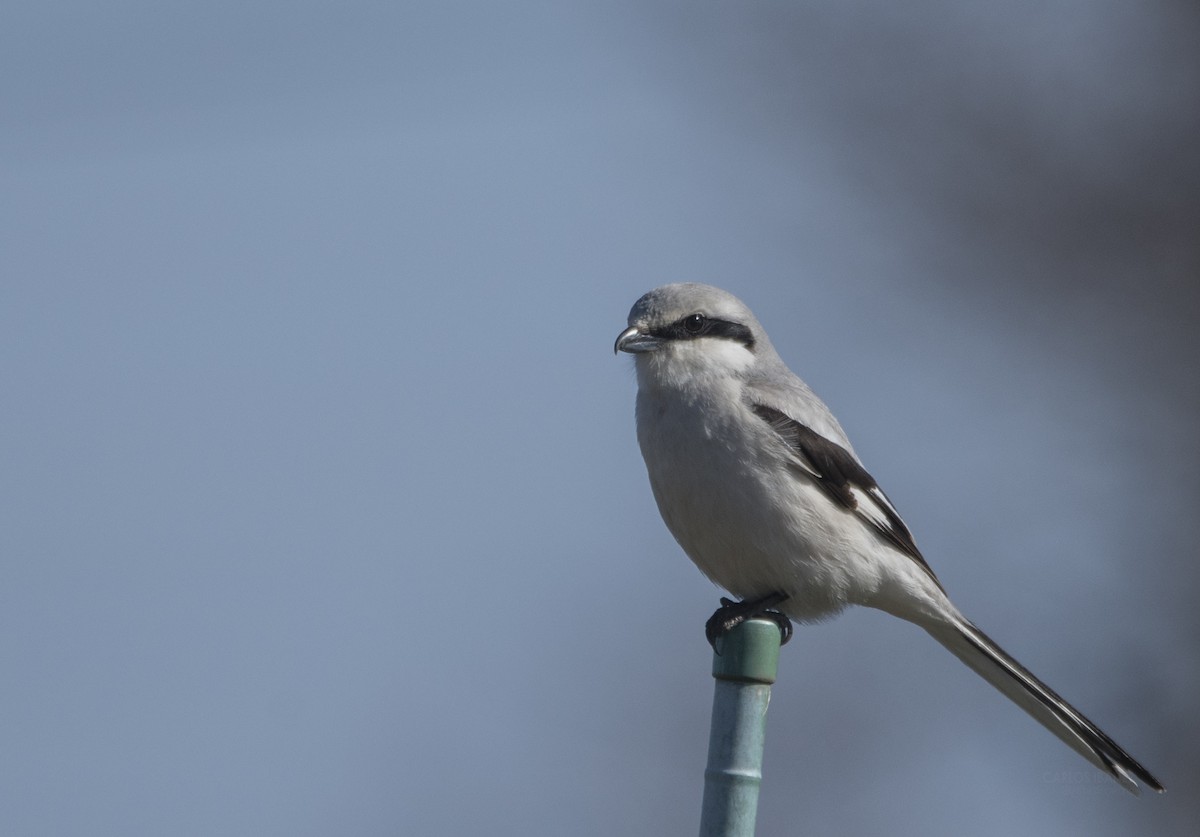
[(745, 661)]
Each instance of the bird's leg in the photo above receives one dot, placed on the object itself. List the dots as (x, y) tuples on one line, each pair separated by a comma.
[(731, 614)]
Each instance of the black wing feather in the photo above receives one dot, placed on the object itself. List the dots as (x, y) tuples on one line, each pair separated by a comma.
[(839, 474)]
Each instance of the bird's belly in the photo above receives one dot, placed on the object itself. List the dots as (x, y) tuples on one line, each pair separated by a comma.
[(754, 523)]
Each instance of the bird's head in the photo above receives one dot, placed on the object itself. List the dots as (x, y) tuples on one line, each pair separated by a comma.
[(679, 331)]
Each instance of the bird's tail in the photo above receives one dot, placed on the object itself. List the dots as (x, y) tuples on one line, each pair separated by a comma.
[(994, 665)]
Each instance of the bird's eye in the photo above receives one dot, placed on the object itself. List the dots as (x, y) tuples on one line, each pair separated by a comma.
[(694, 324)]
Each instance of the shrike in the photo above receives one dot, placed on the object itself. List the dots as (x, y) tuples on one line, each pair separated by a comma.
[(757, 481)]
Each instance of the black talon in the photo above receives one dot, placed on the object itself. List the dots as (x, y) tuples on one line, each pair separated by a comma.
[(731, 614), (782, 622)]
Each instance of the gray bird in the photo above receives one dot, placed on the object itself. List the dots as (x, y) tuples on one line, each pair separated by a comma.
[(758, 483)]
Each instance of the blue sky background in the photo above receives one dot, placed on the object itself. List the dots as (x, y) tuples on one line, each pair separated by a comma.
[(321, 508)]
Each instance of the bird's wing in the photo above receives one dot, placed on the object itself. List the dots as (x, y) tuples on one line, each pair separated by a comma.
[(843, 478)]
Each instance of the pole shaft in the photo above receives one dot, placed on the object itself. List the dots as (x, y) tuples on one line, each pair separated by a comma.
[(744, 665)]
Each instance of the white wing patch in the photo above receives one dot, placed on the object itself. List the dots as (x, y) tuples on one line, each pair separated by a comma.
[(873, 506)]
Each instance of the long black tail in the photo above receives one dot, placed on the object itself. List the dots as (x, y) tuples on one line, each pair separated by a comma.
[(1016, 682)]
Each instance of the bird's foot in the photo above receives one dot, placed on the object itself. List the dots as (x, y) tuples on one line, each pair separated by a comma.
[(731, 614)]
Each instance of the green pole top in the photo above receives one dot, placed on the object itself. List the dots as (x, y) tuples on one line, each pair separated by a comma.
[(748, 653)]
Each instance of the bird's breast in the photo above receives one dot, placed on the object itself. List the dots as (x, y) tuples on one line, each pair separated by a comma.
[(746, 516), (711, 475)]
